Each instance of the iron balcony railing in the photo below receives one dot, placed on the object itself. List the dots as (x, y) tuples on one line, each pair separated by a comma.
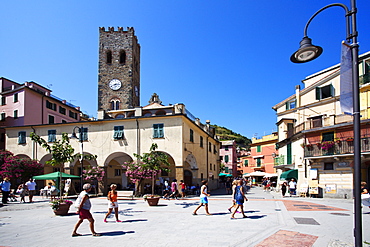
[(337, 147)]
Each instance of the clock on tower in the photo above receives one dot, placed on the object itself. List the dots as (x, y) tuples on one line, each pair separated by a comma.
[(119, 70)]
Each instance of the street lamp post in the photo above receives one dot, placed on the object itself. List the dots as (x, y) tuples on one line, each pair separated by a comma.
[(74, 136), (308, 52)]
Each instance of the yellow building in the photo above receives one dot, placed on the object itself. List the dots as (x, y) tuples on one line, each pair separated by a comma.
[(191, 146)]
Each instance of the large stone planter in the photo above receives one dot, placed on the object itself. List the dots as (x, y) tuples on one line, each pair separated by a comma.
[(63, 209), (152, 201)]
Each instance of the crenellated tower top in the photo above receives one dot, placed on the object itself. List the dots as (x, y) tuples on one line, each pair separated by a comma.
[(120, 30)]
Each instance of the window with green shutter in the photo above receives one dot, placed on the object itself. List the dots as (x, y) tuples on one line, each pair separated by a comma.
[(324, 92), (259, 149), (201, 141), (191, 135), (158, 131), (289, 153), (118, 133), (258, 162), (245, 163), (83, 134), (52, 135), (21, 137), (226, 158)]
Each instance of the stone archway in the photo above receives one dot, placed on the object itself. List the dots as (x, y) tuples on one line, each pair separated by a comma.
[(188, 177), (114, 172)]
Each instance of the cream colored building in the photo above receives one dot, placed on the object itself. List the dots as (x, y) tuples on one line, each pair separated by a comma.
[(191, 146), (311, 119)]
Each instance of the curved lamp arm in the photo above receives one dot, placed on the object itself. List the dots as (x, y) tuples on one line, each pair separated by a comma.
[(307, 51)]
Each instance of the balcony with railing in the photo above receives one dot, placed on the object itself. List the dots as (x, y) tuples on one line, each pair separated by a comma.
[(364, 79), (312, 124), (335, 148)]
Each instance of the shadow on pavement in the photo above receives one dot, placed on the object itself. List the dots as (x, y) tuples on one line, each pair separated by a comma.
[(115, 233), (187, 205), (256, 217)]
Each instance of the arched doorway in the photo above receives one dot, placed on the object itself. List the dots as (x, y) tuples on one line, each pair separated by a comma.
[(188, 177)]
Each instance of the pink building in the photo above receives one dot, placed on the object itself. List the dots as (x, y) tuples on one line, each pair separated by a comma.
[(228, 154), (32, 104)]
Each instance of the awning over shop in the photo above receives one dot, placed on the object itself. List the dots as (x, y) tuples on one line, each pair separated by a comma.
[(289, 175)]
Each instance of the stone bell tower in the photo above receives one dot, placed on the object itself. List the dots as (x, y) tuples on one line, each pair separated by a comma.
[(119, 70)]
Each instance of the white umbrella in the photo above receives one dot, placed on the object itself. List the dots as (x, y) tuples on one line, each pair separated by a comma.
[(270, 175), (257, 174)]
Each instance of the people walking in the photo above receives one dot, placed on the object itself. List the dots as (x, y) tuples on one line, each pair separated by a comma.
[(365, 196), (31, 185), (239, 197), (113, 203), (174, 190), (283, 188), (183, 188), (292, 187), (234, 184), (22, 191), (203, 198), (5, 189), (83, 205)]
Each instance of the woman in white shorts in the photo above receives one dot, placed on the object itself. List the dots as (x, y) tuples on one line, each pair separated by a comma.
[(112, 197)]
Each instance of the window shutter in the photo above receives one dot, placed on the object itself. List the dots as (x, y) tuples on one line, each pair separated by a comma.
[(332, 90), (155, 130), (318, 93)]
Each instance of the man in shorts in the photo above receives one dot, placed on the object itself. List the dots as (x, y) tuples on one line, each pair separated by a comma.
[(31, 185)]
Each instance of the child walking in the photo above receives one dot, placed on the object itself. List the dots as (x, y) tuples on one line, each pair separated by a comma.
[(112, 197), (22, 190), (203, 198)]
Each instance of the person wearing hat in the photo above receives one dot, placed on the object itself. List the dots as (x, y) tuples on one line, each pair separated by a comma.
[(5, 189)]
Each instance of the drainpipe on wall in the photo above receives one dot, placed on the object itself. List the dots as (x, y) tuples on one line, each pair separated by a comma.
[(207, 175), (34, 150), (137, 137), (42, 109)]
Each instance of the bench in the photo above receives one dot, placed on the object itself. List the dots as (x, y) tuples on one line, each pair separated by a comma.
[(122, 194)]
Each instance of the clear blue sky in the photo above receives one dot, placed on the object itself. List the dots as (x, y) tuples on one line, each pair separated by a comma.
[(226, 60)]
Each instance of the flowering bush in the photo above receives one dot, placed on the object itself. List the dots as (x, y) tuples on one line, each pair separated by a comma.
[(94, 172), (147, 166), (16, 167), (55, 204), (327, 145)]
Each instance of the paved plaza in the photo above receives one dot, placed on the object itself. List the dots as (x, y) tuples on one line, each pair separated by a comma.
[(272, 221)]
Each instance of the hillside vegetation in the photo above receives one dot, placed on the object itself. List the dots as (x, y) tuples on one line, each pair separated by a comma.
[(225, 135)]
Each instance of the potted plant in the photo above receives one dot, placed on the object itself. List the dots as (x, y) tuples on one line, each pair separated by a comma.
[(327, 145), (60, 206), (147, 166), (337, 140), (61, 152)]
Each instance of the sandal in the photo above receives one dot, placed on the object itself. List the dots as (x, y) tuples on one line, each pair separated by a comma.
[(76, 234), (96, 234)]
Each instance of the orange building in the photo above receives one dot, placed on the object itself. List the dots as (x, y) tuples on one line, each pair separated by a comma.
[(261, 158)]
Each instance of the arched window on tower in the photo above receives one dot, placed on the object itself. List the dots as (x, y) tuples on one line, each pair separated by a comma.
[(122, 57), (114, 104), (109, 57)]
